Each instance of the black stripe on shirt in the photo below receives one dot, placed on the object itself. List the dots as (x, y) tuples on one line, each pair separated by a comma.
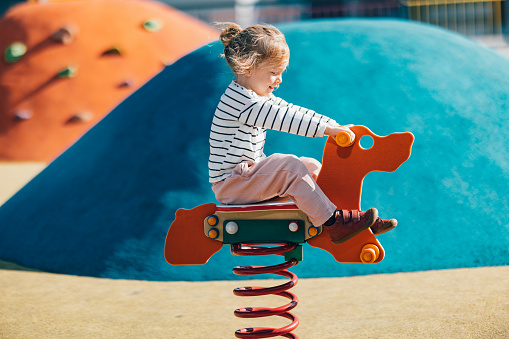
[(223, 126), (224, 103), (240, 93), (317, 125), (283, 120), (221, 133), (274, 120), (310, 121), (240, 102), (259, 112), (224, 119), (217, 147), (244, 110), (291, 122), (236, 117), (266, 116), (300, 123)]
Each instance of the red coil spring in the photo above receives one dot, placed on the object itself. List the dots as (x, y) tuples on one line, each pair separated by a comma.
[(281, 290)]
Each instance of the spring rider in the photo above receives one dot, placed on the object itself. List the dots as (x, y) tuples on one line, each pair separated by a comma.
[(280, 228)]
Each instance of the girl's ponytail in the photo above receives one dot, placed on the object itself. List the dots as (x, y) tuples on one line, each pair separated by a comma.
[(229, 32)]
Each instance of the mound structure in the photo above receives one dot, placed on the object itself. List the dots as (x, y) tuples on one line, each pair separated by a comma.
[(66, 64), (103, 208)]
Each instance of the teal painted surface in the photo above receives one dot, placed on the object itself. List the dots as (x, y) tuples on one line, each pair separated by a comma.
[(103, 208)]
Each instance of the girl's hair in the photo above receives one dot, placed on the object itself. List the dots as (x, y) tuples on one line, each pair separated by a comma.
[(245, 49)]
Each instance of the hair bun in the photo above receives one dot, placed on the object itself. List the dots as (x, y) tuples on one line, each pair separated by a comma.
[(229, 32)]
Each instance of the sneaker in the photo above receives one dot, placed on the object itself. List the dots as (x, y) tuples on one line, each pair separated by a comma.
[(350, 223), (381, 226)]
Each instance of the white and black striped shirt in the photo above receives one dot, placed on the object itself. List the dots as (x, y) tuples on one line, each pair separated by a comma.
[(239, 127)]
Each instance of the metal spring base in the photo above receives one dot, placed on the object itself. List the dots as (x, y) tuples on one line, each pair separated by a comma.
[(281, 290)]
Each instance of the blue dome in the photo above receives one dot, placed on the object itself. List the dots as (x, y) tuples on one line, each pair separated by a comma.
[(104, 206)]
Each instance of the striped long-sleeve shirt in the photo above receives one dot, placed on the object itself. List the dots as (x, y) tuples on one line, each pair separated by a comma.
[(239, 127)]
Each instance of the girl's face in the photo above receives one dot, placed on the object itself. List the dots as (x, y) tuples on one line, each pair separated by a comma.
[(264, 78)]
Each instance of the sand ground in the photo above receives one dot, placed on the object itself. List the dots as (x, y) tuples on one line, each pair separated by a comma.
[(15, 175), (462, 303)]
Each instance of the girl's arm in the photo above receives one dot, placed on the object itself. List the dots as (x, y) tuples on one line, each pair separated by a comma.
[(286, 118), (282, 102), (332, 128)]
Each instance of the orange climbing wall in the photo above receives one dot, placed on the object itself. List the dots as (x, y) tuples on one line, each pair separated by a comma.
[(54, 112)]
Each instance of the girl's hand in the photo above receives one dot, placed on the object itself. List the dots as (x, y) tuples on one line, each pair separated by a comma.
[(334, 130)]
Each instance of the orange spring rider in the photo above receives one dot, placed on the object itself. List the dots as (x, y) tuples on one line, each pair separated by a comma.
[(279, 228)]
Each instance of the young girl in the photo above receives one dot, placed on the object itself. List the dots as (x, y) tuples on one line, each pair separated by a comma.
[(239, 170)]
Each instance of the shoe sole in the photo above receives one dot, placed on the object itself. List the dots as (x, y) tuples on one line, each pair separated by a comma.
[(371, 221), (386, 229)]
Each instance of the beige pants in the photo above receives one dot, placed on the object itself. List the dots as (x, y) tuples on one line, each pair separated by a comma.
[(279, 175)]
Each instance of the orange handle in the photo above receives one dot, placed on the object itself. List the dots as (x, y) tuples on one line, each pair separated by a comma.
[(345, 138)]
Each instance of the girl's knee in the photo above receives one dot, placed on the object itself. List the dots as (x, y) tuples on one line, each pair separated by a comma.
[(312, 165), (292, 163)]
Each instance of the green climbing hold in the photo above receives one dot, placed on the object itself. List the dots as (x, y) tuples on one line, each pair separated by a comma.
[(152, 25), (68, 72), (115, 50), (14, 52)]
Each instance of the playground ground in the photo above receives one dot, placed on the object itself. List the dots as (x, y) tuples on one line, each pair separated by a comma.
[(460, 303)]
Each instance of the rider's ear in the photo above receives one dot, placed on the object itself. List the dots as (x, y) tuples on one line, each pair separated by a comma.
[(248, 72)]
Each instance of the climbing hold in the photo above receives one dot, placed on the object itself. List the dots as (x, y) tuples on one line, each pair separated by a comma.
[(152, 25), (14, 52), (83, 116), (115, 50), (68, 72), (65, 35), (125, 83), (23, 115)]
